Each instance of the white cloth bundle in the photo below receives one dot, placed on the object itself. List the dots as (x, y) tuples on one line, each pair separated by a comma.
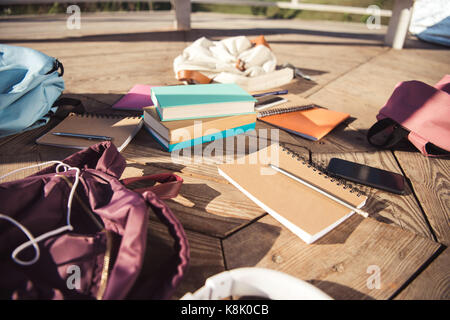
[(232, 60)]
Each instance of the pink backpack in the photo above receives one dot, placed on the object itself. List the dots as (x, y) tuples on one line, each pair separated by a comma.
[(418, 112)]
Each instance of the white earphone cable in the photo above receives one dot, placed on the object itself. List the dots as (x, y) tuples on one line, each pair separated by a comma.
[(32, 240)]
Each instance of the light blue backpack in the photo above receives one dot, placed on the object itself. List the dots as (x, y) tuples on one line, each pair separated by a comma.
[(30, 83)]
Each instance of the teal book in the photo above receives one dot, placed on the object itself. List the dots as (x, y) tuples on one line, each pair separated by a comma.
[(208, 138), (201, 101)]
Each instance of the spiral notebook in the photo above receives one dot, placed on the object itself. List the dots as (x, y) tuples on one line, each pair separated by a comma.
[(121, 128), (308, 121), (304, 211)]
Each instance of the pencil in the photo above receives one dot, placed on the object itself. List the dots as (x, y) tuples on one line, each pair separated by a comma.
[(292, 176)]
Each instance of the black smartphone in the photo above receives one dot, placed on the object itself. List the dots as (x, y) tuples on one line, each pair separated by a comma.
[(268, 101), (369, 176)]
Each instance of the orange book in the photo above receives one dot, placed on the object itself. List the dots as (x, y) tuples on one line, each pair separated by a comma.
[(310, 122)]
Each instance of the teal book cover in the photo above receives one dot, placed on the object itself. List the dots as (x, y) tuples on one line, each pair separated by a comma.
[(189, 143), (184, 95)]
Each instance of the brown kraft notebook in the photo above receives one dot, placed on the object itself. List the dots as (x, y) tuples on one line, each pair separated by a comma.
[(119, 127), (304, 211)]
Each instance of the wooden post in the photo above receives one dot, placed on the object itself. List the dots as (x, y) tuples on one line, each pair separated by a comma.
[(182, 14), (399, 23)]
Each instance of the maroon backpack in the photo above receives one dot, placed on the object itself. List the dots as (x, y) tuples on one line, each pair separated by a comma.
[(102, 250)]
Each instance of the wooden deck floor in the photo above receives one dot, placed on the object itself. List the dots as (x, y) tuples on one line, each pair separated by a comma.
[(406, 236)]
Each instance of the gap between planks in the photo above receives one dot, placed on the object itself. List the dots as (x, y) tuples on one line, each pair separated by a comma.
[(419, 271), (414, 193)]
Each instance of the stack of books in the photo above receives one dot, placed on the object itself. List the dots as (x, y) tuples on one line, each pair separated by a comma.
[(183, 116)]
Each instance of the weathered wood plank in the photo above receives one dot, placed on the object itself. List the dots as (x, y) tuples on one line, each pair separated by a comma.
[(197, 161), (341, 262), (433, 283), (207, 202), (23, 143), (128, 70), (92, 71), (9, 163), (351, 73), (365, 89), (429, 178), (206, 258), (313, 52), (402, 210), (204, 205), (202, 160), (206, 261), (53, 27)]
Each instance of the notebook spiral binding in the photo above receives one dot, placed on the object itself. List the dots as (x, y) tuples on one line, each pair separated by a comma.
[(321, 170), (283, 110), (103, 115)]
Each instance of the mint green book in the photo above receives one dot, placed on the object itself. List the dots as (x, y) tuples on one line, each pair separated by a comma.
[(201, 101)]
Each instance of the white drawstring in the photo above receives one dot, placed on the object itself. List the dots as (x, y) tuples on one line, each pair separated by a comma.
[(32, 240)]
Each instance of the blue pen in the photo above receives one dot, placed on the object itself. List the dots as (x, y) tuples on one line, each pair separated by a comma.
[(83, 136), (270, 93)]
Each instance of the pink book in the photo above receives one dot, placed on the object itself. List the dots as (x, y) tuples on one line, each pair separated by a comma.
[(137, 98)]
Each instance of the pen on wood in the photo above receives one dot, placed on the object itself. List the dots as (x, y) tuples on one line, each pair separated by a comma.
[(270, 93), (83, 136), (292, 176)]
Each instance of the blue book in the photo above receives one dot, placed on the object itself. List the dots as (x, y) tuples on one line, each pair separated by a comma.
[(201, 101), (208, 138)]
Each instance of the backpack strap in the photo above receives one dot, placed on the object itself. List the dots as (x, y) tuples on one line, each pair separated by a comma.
[(68, 105), (57, 66), (386, 133), (168, 184)]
